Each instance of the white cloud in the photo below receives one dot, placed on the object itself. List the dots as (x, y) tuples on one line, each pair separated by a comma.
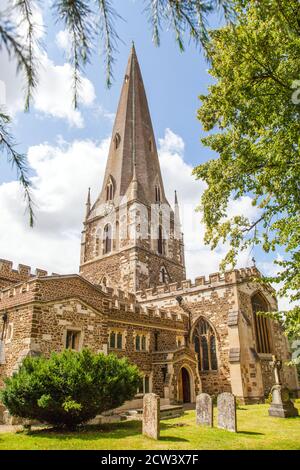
[(63, 174), (63, 40), (177, 174), (53, 95)]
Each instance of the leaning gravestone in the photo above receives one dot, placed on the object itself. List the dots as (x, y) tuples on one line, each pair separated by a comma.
[(151, 415), (227, 411), (204, 410)]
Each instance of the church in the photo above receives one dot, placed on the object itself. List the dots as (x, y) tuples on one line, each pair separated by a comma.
[(131, 296)]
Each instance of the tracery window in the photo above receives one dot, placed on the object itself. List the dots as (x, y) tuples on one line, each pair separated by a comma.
[(205, 346), (261, 324)]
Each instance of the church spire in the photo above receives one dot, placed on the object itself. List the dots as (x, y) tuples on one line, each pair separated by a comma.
[(132, 164)]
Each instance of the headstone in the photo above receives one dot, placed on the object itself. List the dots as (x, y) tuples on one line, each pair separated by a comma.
[(204, 410), (227, 411), (151, 415), (281, 406)]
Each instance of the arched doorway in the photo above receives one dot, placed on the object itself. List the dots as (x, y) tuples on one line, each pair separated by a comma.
[(184, 385)]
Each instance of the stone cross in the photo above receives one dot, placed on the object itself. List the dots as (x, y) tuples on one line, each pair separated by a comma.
[(227, 411), (204, 410), (151, 415)]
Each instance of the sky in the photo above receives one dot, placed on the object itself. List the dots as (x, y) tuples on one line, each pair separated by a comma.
[(67, 148)]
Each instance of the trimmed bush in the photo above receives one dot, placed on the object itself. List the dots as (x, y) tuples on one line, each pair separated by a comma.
[(70, 387)]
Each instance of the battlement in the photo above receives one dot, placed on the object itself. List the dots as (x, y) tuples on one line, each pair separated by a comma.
[(20, 274), (106, 300), (201, 282), (119, 300)]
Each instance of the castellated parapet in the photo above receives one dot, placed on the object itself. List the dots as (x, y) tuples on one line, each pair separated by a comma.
[(47, 289), (9, 275), (213, 281)]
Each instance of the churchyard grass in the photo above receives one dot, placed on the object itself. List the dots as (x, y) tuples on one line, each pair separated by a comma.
[(256, 430)]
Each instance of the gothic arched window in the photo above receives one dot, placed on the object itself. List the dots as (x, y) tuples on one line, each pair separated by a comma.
[(109, 191), (261, 324), (163, 275), (107, 239), (160, 242), (205, 346), (157, 194), (117, 140)]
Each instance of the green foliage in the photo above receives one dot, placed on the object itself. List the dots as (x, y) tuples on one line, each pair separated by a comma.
[(69, 388), (269, 399), (254, 112)]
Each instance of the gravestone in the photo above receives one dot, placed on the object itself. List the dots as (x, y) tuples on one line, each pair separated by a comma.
[(204, 410), (151, 415), (227, 411), (281, 406)]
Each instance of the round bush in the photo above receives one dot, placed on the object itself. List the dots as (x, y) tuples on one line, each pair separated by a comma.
[(70, 387)]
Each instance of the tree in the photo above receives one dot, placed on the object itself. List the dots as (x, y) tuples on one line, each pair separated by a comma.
[(252, 114), (69, 388), (80, 20)]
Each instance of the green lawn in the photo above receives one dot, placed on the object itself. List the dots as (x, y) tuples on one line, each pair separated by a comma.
[(256, 430)]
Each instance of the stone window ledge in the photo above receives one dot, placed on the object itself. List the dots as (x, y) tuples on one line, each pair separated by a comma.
[(265, 356), (207, 372)]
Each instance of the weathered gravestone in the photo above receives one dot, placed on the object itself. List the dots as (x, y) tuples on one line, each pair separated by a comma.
[(151, 415), (227, 411), (204, 410)]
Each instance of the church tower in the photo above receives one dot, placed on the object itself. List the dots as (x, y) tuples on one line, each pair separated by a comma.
[(132, 238)]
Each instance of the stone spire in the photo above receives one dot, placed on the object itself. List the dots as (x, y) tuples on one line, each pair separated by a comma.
[(132, 164)]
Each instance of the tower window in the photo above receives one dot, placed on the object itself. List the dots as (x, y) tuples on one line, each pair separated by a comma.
[(163, 275), (107, 239), (160, 242), (156, 333), (205, 346), (261, 324), (150, 145), (109, 191), (157, 194), (117, 140)]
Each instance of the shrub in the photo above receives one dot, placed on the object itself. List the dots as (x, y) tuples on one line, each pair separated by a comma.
[(70, 387), (269, 399)]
